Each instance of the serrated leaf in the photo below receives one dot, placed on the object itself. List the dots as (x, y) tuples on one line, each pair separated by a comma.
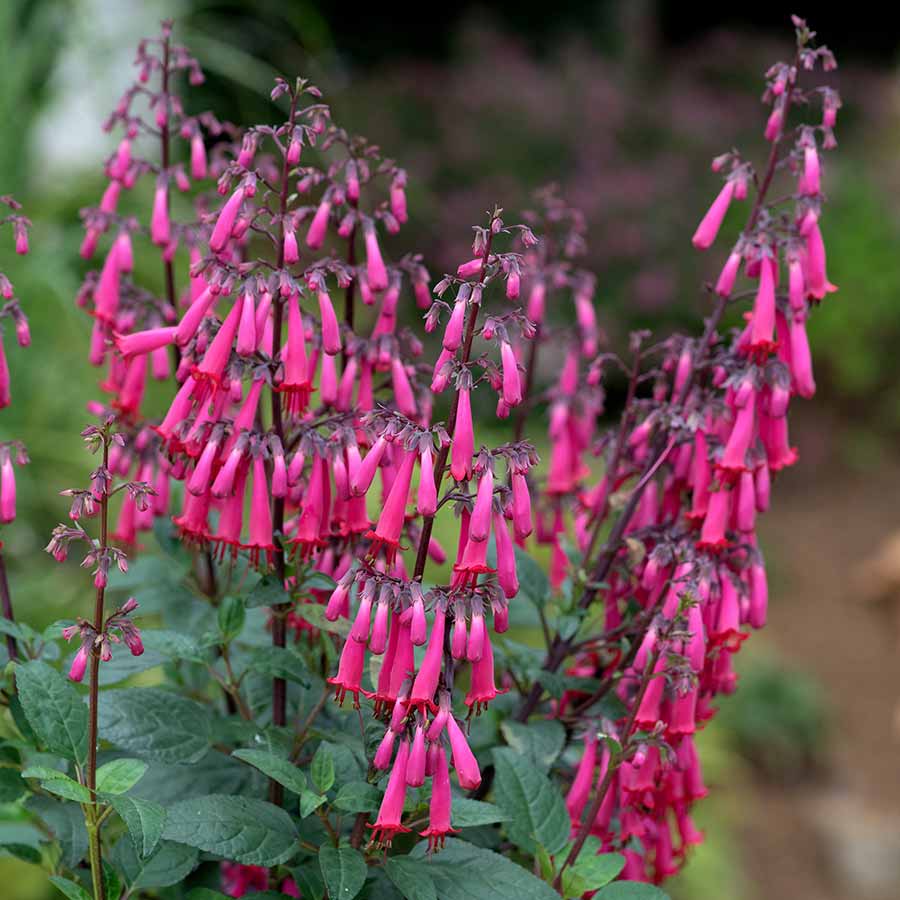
[(309, 803), (314, 613), (66, 823), (322, 769), (170, 863), (231, 617), (308, 879), (541, 741), (281, 770), (145, 821), (11, 785), (279, 662), (591, 872), (268, 592), (72, 890), (344, 870), (54, 710), (171, 644), (411, 878), (246, 830), (318, 581), (535, 805), (120, 775), (473, 813), (155, 723), (631, 890), (358, 796), (55, 782), (463, 871)]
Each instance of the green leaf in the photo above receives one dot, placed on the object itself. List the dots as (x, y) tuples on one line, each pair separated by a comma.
[(631, 890), (358, 796), (308, 879), (25, 852), (72, 890), (171, 644), (120, 775), (268, 592), (309, 803), (541, 741), (145, 821), (280, 662), (314, 613), (155, 723), (66, 823), (591, 872), (281, 770), (56, 782), (411, 878), (232, 615), (246, 830), (472, 813), (203, 893), (11, 785), (344, 870), (317, 581), (463, 871), (53, 709), (536, 807), (170, 863), (534, 585), (112, 883), (322, 769)]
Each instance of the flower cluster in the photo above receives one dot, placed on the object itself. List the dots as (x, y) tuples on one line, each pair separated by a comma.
[(11, 452), (688, 471), (133, 325)]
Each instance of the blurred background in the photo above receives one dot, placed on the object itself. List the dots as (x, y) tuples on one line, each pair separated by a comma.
[(623, 104)]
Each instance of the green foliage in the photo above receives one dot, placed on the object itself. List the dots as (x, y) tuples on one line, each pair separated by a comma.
[(535, 807), (344, 871), (249, 831), (53, 709), (155, 723), (280, 770), (145, 821)]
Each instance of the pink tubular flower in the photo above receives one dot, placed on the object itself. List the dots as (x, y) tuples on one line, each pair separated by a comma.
[(426, 682), (331, 333), (350, 670), (762, 331), (467, 772), (198, 156), (483, 689), (453, 331), (7, 490), (427, 494), (375, 269), (440, 808), (463, 438), (480, 523), (709, 226), (160, 227), (141, 342), (79, 663), (390, 523), (260, 516), (725, 284), (315, 236), (506, 558), (577, 798), (387, 824), (512, 383), (225, 222)]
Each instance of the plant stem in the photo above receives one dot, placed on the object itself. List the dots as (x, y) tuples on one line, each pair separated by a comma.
[(93, 698), (12, 649), (280, 610)]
